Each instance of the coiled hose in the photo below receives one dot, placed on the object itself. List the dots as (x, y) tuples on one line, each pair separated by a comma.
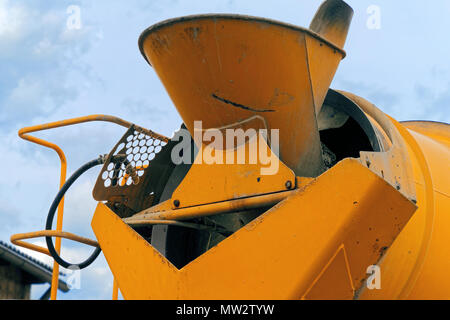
[(51, 215)]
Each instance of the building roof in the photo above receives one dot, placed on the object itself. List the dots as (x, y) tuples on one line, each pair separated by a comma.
[(39, 271)]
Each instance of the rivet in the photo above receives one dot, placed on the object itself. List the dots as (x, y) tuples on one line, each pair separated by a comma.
[(288, 184)]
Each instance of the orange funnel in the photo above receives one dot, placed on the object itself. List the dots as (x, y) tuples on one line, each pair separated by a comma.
[(224, 69)]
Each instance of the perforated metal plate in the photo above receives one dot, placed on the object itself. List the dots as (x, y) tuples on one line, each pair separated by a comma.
[(125, 174)]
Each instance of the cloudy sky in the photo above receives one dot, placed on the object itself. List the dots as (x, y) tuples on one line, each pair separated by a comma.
[(51, 71)]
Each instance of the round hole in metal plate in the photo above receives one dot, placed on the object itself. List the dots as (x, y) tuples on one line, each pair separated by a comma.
[(119, 148)]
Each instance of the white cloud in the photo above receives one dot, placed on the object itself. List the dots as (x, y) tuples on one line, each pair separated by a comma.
[(27, 92), (38, 58), (12, 20)]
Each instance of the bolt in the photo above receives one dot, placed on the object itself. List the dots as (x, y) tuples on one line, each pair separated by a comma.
[(288, 184), (176, 203)]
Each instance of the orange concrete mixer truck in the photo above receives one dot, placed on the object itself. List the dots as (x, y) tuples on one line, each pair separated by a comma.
[(275, 186)]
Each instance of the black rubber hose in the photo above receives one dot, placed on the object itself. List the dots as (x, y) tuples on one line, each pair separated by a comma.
[(51, 215)]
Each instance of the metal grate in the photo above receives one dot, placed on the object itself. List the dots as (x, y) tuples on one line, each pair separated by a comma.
[(125, 174), (139, 149)]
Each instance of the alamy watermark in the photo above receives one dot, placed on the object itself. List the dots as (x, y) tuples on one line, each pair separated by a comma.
[(229, 146), (374, 280), (73, 277), (374, 19), (74, 19)]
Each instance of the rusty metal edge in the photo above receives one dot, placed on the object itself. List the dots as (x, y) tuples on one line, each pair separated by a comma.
[(171, 21)]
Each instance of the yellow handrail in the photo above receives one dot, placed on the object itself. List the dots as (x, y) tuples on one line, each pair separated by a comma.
[(17, 239), (115, 295), (23, 133)]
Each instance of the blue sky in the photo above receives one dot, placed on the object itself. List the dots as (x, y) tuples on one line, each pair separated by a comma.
[(49, 72)]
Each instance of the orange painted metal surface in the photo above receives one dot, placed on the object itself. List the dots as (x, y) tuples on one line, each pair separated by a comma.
[(393, 164), (416, 265), (233, 67), (437, 131), (209, 183), (311, 225)]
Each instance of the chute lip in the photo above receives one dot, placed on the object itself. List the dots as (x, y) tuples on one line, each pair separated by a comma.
[(171, 21)]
